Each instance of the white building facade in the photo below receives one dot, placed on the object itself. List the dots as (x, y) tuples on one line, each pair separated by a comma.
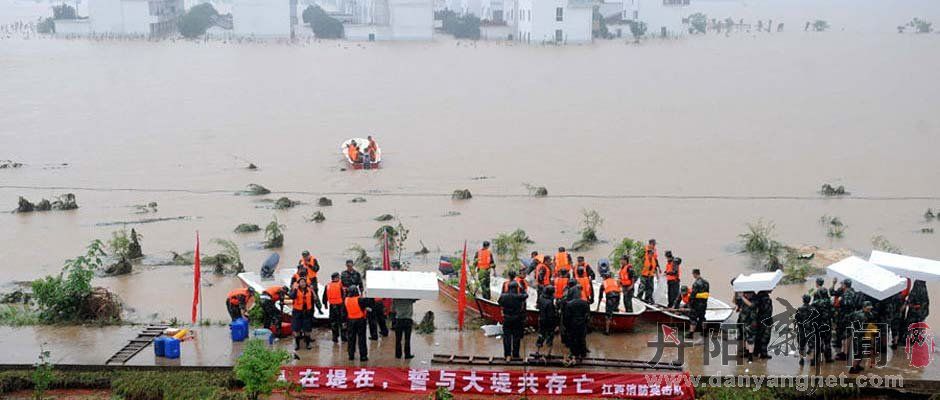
[(264, 18), (550, 21), (389, 19), (662, 17), (152, 18)]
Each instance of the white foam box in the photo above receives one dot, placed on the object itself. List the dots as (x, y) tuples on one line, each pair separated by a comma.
[(915, 268), (401, 285), (867, 278), (757, 282)]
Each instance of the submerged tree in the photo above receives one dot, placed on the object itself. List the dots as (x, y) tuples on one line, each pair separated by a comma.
[(590, 221), (637, 29), (322, 24), (921, 25), (820, 25), (274, 234), (197, 20), (699, 22)]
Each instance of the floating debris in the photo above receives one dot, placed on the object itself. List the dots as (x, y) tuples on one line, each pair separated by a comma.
[(9, 164), (284, 203), (252, 166), (384, 217), (451, 214), (536, 191), (424, 250), (358, 200), (247, 228), (829, 190), (461, 194), (926, 230), (145, 208), (324, 202), (929, 215), (254, 189), (143, 221), (317, 217)]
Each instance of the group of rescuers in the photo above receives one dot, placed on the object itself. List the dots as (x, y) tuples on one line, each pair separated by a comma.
[(565, 288), (362, 156), (827, 316), (349, 312)]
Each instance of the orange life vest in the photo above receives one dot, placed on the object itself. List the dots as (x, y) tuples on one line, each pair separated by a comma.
[(539, 258), (334, 293), (353, 152), (523, 285), (587, 290), (670, 268), (274, 292), (625, 279), (296, 278), (309, 262), (484, 259), (650, 262), (562, 262), (686, 296), (234, 295), (543, 269), (586, 274), (561, 284), (611, 286), (304, 300), (371, 149), (353, 311)]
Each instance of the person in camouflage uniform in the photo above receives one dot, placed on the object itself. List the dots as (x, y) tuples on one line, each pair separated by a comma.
[(802, 320), (822, 303), (859, 319), (747, 314), (844, 306), (698, 303), (882, 311), (764, 318), (918, 308)]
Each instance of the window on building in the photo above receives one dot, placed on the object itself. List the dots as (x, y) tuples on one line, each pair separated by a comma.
[(559, 14), (559, 36)]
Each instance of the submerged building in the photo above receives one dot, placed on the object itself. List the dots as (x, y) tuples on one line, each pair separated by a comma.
[(388, 19), (264, 18), (151, 18), (550, 21)]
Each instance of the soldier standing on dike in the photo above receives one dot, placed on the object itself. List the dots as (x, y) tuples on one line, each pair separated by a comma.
[(699, 303), (844, 306)]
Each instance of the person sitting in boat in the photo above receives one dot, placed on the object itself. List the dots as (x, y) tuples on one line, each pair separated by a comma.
[(352, 150), (372, 148), (686, 297)]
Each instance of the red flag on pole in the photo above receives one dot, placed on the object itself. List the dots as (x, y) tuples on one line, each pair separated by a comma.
[(462, 300), (386, 259), (196, 278)]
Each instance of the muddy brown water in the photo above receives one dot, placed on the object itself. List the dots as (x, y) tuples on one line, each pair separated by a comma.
[(684, 141)]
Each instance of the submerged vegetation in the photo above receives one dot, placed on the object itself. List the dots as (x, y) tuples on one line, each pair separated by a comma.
[(462, 27), (322, 24), (361, 260), (834, 226), (461, 194), (882, 243), (590, 221), (698, 23), (536, 191), (197, 20), (255, 189), (229, 255), (59, 203), (767, 252), (829, 190), (510, 246), (274, 234), (247, 228), (69, 296), (317, 217)]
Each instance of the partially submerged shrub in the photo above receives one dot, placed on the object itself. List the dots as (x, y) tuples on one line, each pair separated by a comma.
[(324, 202), (247, 228), (361, 259), (829, 190), (274, 235), (590, 221), (881, 243), (284, 203), (317, 217), (255, 189), (834, 226), (384, 217), (461, 194), (536, 191)]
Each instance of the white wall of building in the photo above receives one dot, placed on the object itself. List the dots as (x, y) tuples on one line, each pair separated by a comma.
[(261, 18), (538, 21), (72, 27), (137, 17), (411, 19), (106, 16), (657, 15)]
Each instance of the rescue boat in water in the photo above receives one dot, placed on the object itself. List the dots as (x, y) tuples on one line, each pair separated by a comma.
[(489, 309), (717, 311), (362, 143)]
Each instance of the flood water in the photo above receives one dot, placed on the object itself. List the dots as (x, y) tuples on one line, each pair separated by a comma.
[(684, 141)]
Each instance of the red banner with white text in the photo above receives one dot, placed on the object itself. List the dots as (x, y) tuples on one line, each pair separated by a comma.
[(489, 382)]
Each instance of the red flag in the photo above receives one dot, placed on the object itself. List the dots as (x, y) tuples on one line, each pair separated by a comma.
[(386, 266), (462, 301), (196, 278), (386, 260)]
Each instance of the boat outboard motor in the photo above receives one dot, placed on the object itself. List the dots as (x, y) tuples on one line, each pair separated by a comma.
[(267, 268)]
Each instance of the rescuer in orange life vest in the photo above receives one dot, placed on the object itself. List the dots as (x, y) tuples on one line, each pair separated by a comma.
[(626, 277), (543, 275), (372, 148), (561, 284), (352, 150), (356, 309), (562, 262), (587, 288), (672, 280), (272, 301), (588, 271), (333, 298), (236, 302), (610, 290), (304, 300), (649, 271), (512, 277), (313, 267), (486, 265)]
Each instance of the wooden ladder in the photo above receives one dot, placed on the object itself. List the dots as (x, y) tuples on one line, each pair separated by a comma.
[(143, 339)]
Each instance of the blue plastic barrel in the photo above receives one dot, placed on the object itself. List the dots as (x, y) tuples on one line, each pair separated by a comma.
[(159, 346), (239, 329), (172, 348)]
